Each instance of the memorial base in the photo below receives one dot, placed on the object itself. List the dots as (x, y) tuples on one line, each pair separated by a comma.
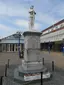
[(29, 71)]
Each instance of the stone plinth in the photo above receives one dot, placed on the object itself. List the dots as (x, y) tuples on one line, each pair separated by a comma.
[(32, 58), (32, 46), (29, 66)]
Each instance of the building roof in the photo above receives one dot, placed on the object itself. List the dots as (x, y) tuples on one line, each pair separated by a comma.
[(59, 22), (13, 38), (53, 33)]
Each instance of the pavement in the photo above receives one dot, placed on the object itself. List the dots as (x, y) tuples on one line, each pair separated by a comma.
[(58, 73), (57, 57), (14, 59)]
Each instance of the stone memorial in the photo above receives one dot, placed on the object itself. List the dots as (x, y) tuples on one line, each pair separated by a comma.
[(32, 62), (31, 66)]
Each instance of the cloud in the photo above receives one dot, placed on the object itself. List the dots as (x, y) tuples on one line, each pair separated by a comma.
[(28, 0), (51, 12), (45, 18), (20, 10), (7, 9), (22, 25), (12, 10), (59, 10), (37, 26), (25, 24), (4, 28), (15, 12)]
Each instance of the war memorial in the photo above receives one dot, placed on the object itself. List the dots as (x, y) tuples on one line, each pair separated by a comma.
[(31, 66)]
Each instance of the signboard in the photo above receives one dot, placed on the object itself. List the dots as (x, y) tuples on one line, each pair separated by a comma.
[(30, 77)]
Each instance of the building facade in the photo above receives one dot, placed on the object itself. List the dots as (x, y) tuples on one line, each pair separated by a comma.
[(53, 37), (12, 43)]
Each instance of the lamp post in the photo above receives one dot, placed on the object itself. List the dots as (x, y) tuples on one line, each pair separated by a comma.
[(19, 45), (18, 35)]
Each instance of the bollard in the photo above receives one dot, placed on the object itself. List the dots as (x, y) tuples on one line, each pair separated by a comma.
[(41, 78), (52, 65), (1, 80), (8, 63), (43, 61), (6, 70)]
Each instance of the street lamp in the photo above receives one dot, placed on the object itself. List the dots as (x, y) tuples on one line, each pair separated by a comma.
[(18, 35)]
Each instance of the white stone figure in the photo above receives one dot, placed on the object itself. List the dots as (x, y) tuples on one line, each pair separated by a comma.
[(32, 18)]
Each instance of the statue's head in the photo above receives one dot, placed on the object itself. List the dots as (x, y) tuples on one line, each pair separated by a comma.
[(32, 7)]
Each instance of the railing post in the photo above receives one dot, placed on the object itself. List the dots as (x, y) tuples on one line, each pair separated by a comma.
[(8, 63), (41, 78), (52, 65), (1, 80), (6, 70)]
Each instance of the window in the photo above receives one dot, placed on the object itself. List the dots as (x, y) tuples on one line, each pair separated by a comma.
[(45, 32), (49, 30), (56, 27), (62, 24)]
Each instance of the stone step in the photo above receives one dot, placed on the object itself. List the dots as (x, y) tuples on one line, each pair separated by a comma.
[(10, 71)]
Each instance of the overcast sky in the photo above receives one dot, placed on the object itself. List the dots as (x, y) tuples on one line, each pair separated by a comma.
[(14, 14)]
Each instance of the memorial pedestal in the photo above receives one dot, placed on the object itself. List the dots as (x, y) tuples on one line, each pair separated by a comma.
[(32, 62)]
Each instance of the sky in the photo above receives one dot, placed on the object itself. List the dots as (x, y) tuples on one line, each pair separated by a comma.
[(14, 15)]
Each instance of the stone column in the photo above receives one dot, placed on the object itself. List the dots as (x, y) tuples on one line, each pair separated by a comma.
[(14, 47), (6, 47), (9, 47), (2, 47)]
